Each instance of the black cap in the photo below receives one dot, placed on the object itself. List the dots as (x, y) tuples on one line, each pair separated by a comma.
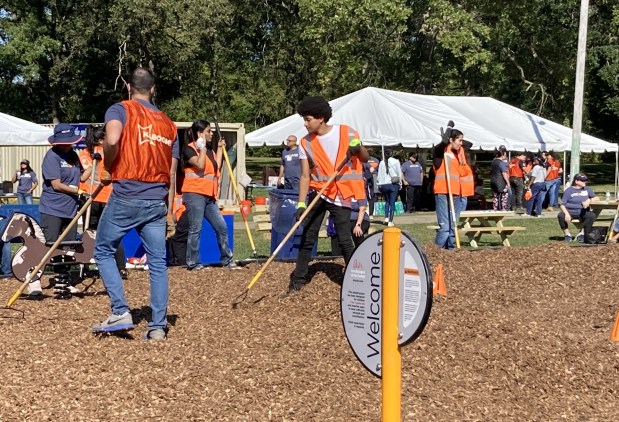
[(24, 161), (582, 177), (502, 149)]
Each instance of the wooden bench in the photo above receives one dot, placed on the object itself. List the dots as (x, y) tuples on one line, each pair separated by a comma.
[(474, 233)]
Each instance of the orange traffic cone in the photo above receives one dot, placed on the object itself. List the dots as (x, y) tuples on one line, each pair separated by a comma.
[(614, 334), (439, 281)]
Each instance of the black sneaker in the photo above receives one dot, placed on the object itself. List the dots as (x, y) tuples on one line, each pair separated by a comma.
[(124, 274), (196, 267)]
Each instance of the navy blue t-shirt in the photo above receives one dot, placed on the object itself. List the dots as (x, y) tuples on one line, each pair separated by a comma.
[(292, 166), (135, 189), (573, 198), (67, 168), (25, 180)]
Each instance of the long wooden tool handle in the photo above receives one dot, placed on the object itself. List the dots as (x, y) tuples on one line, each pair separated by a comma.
[(296, 225), (51, 250), (92, 183), (451, 203)]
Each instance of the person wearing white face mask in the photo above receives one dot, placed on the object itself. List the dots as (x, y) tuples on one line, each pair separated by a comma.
[(200, 190)]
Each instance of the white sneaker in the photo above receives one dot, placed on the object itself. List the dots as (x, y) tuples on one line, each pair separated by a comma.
[(386, 221), (34, 288), (390, 224)]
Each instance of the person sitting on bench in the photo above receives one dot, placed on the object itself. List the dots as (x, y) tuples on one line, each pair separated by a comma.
[(575, 205)]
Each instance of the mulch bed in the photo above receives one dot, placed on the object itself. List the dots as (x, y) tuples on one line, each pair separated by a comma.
[(523, 334)]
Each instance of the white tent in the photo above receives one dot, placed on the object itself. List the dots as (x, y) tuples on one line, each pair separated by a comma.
[(18, 132), (384, 117)]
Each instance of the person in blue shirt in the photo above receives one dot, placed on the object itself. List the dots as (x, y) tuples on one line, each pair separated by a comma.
[(27, 182), (412, 171), (290, 167), (575, 205)]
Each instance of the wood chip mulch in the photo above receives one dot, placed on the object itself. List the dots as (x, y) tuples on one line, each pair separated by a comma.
[(522, 335)]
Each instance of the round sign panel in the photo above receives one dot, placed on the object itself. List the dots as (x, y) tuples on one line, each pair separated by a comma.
[(361, 297)]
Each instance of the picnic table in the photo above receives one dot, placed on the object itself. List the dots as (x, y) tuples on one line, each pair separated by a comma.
[(476, 223), (598, 207), (473, 224)]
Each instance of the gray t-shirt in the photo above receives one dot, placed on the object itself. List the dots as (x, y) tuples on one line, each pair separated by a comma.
[(412, 172)]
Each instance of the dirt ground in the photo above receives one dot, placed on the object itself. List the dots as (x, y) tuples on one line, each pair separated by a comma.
[(522, 335)]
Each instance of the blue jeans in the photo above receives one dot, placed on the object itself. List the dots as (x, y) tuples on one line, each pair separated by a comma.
[(390, 192), (24, 198), (199, 207), (148, 217), (552, 186), (6, 258), (538, 194), (446, 235)]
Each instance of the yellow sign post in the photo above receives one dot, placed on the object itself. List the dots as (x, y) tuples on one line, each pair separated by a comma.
[(391, 365)]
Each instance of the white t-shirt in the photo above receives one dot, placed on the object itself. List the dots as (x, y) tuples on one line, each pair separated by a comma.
[(330, 142)]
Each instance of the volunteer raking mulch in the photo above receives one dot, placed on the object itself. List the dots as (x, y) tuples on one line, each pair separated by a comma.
[(523, 334)]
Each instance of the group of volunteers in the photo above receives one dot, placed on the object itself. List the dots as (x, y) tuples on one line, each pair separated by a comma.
[(131, 165)]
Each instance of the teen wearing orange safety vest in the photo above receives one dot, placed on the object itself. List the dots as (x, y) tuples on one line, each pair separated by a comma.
[(323, 149), (200, 191), (448, 160), (94, 150), (553, 181), (516, 180)]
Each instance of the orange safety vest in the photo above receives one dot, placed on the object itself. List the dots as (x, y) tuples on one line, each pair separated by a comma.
[(514, 168), (553, 170), (349, 181), (441, 176), (204, 182), (467, 181), (86, 160), (146, 142)]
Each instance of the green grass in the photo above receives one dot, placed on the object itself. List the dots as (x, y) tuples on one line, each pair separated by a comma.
[(540, 231)]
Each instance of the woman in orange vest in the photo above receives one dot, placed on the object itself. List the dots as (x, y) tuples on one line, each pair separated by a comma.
[(200, 191), (553, 179), (448, 161), (94, 151)]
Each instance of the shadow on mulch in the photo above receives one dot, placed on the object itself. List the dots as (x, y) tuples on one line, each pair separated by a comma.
[(145, 313), (333, 270)]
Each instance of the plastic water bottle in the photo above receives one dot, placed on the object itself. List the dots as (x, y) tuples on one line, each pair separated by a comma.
[(607, 196)]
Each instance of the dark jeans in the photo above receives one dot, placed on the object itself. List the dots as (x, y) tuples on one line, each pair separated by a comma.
[(538, 193), (586, 217), (413, 198), (311, 226), (390, 192), (517, 184), (178, 243)]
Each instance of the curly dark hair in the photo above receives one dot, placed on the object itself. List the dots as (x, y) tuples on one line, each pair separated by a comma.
[(316, 107)]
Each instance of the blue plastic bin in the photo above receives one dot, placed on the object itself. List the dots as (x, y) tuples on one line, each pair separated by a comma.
[(283, 209), (209, 251)]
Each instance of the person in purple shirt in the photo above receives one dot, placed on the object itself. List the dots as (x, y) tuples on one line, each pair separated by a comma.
[(575, 205)]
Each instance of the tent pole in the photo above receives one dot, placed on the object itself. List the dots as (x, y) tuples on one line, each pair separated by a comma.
[(616, 171), (564, 168)]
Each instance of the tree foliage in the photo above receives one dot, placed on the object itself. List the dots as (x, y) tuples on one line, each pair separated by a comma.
[(253, 61)]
